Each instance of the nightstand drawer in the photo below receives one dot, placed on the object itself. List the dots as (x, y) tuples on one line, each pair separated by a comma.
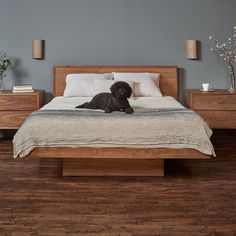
[(220, 102), (19, 102), (12, 119), (219, 119)]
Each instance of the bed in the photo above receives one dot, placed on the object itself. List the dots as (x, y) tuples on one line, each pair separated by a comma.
[(113, 159)]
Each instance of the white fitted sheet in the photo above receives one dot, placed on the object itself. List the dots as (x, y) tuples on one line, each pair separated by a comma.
[(165, 102)]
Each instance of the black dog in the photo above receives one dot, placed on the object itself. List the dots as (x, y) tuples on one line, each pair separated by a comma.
[(114, 101)]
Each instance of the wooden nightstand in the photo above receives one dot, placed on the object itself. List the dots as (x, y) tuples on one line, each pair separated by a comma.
[(15, 107), (217, 108)]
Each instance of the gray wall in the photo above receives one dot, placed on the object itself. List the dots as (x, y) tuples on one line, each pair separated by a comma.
[(114, 32)]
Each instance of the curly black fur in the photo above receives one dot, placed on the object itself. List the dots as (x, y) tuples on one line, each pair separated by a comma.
[(117, 100)]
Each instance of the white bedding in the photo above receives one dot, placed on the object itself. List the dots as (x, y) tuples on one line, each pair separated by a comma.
[(62, 103)]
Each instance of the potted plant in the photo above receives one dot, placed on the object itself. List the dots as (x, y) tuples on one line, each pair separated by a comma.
[(5, 62)]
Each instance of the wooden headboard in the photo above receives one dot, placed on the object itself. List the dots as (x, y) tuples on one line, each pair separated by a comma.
[(168, 81)]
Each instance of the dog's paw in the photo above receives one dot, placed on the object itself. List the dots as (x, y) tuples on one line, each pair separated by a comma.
[(108, 110), (129, 110)]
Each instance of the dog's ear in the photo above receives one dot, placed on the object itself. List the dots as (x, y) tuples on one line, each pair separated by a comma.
[(113, 89), (129, 90)]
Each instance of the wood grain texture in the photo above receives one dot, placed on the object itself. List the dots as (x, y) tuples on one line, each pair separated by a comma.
[(218, 100), (108, 161), (217, 108), (113, 167), (125, 153), (12, 119), (219, 119), (18, 103), (196, 197), (168, 80), (15, 107)]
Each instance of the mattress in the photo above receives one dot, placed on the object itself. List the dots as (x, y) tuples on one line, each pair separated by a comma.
[(138, 103)]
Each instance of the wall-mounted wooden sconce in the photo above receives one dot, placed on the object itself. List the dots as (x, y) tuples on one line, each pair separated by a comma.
[(38, 48), (192, 49)]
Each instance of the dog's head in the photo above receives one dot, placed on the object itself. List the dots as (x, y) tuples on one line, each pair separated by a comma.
[(121, 90)]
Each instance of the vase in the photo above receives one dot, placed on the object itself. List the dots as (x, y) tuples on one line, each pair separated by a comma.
[(1, 81), (232, 87)]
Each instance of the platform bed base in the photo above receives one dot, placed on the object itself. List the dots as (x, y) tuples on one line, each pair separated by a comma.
[(113, 167), (115, 161)]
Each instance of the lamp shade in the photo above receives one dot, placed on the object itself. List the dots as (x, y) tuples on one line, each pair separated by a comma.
[(38, 46), (191, 49)]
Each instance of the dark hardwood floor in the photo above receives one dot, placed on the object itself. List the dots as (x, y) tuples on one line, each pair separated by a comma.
[(196, 197)]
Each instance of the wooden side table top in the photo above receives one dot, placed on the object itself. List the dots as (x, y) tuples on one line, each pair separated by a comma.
[(10, 92), (215, 91)]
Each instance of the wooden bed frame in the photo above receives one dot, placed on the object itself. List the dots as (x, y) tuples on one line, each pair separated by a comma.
[(116, 161)]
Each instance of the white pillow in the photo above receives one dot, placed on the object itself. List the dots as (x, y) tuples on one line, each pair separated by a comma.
[(82, 85), (103, 86), (146, 84)]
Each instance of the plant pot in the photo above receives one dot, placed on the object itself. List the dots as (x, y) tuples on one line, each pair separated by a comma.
[(1, 81), (232, 88)]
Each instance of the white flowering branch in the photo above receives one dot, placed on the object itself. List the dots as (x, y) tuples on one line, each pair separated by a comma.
[(4, 62), (227, 52)]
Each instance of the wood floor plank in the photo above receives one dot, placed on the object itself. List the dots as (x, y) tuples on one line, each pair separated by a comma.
[(196, 197)]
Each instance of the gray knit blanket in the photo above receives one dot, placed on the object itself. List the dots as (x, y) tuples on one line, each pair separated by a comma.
[(180, 128)]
